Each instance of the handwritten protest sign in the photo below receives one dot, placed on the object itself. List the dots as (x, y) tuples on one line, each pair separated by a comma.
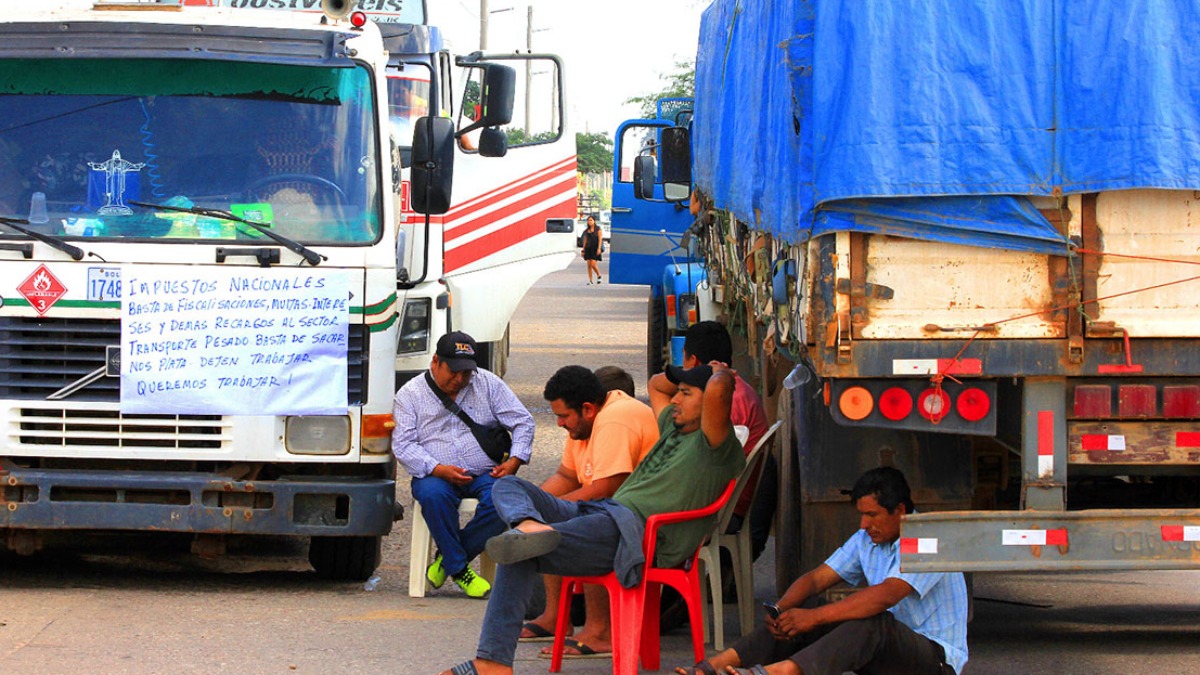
[(244, 341)]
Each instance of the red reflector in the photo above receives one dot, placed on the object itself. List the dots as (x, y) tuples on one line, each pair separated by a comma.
[(1137, 400), (1181, 401), (1187, 439), (973, 404), (1093, 400), (933, 404), (670, 305), (895, 403), (358, 19)]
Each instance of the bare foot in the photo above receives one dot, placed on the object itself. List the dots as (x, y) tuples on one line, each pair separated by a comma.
[(541, 622)]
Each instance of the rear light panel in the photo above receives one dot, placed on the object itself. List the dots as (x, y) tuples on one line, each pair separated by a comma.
[(966, 408)]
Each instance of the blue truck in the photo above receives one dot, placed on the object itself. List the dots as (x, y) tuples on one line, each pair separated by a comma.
[(959, 239), (650, 240)]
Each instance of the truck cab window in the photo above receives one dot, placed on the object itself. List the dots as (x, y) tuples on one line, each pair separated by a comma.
[(409, 99)]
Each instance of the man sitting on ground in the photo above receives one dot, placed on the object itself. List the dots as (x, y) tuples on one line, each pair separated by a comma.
[(688, 468), (608, 435), (906, 624)]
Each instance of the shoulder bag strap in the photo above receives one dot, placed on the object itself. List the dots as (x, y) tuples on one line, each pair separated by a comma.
[(477, 431)]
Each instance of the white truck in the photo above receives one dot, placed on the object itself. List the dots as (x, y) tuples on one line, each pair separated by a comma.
[(214, 272)]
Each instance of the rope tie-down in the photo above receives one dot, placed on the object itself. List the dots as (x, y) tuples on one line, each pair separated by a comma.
[(1128, 367)]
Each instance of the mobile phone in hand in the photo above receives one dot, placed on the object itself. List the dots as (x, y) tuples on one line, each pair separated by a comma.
[(772, 609)]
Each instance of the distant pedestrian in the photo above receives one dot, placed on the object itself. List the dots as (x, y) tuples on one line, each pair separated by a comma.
[(593, 249)]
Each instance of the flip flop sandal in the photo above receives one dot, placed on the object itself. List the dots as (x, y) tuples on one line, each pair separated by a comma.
[(539, 634), (585, 652), (703, 666), (752, 670), (514, 546), (464, 668)]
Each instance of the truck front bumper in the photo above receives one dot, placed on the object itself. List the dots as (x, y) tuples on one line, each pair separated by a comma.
[(330, 506)]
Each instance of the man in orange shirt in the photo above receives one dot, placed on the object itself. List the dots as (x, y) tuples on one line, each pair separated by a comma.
[(608, 435)]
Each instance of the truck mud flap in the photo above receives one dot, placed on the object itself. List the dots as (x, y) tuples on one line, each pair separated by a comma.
[(194, 502)]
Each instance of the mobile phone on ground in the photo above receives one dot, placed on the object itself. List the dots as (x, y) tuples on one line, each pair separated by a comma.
[(772, 609)]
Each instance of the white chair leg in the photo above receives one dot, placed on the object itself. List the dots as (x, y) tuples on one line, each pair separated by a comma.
[(718, 602), (466, 511), (418, 556), (744, 579)]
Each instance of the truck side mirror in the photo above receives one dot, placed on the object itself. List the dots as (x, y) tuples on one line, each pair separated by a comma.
[(499, 87), (676, 148), (644, 169), (493, 143), (432, 165)]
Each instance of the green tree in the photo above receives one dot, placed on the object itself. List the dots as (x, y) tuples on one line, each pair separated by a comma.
[(594, 153), (679, 84)]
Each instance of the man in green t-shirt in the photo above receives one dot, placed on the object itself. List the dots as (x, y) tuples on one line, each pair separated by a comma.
[(694, 460)]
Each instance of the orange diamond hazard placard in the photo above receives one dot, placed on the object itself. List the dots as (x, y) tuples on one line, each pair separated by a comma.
[(42, 289)]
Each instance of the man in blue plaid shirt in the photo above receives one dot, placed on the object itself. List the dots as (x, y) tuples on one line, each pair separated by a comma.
[(902, 624)]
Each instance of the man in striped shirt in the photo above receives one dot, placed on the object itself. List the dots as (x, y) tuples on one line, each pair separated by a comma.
[(907, 624), (446, 462)]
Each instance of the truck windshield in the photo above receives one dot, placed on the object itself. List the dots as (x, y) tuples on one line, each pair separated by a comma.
[(293, 147)]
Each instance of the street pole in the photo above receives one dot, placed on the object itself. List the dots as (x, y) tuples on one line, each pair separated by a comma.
[(483, 24), (528, 66)]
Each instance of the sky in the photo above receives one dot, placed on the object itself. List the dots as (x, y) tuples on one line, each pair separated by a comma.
[(612, 49)]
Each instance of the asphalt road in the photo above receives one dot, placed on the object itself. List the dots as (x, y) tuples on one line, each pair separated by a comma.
[(139, 604)]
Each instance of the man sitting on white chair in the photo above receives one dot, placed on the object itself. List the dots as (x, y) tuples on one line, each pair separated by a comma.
[(447, 464)]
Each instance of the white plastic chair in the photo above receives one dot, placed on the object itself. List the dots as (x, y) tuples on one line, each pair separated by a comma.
[(421, 553), (739, 549)]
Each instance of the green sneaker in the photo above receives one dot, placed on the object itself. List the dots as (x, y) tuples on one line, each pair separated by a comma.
[(436, 574), (472, 584)]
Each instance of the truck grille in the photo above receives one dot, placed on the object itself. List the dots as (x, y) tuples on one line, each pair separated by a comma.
[(94, 429), (40, 356)]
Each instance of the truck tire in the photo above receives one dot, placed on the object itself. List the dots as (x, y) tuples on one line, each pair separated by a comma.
[(656, 335), (344, 558), (494, 355)]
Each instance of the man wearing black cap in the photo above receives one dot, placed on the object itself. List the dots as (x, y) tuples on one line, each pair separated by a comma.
[(446, 459), (694, 459)]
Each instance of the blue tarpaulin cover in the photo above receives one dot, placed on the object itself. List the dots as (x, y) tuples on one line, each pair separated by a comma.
[(938, 119)]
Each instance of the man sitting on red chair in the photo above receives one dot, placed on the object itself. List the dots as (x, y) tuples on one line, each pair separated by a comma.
[(688, 468)]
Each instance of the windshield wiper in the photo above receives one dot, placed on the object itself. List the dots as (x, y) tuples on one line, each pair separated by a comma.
[(312, 257), (75, 252)]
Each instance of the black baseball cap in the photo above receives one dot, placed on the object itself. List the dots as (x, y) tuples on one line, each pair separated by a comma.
[(697, 377), (457, 351)]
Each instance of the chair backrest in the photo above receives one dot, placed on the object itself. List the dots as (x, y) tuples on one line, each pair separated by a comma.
[(754, 460), (656, 521)]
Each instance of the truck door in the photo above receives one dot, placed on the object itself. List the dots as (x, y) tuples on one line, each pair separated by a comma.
[(645, 234)]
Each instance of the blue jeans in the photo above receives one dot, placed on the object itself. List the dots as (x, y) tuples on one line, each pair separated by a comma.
[(439, 501), (588, 547)]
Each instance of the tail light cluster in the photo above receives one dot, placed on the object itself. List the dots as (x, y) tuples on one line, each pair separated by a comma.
[(967, 408), (1140, 400)]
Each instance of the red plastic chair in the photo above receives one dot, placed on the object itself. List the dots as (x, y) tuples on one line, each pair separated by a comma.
[(635, 610)]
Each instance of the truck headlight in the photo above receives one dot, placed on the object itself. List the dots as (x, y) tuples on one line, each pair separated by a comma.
[(414, 327), (317, 435)]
